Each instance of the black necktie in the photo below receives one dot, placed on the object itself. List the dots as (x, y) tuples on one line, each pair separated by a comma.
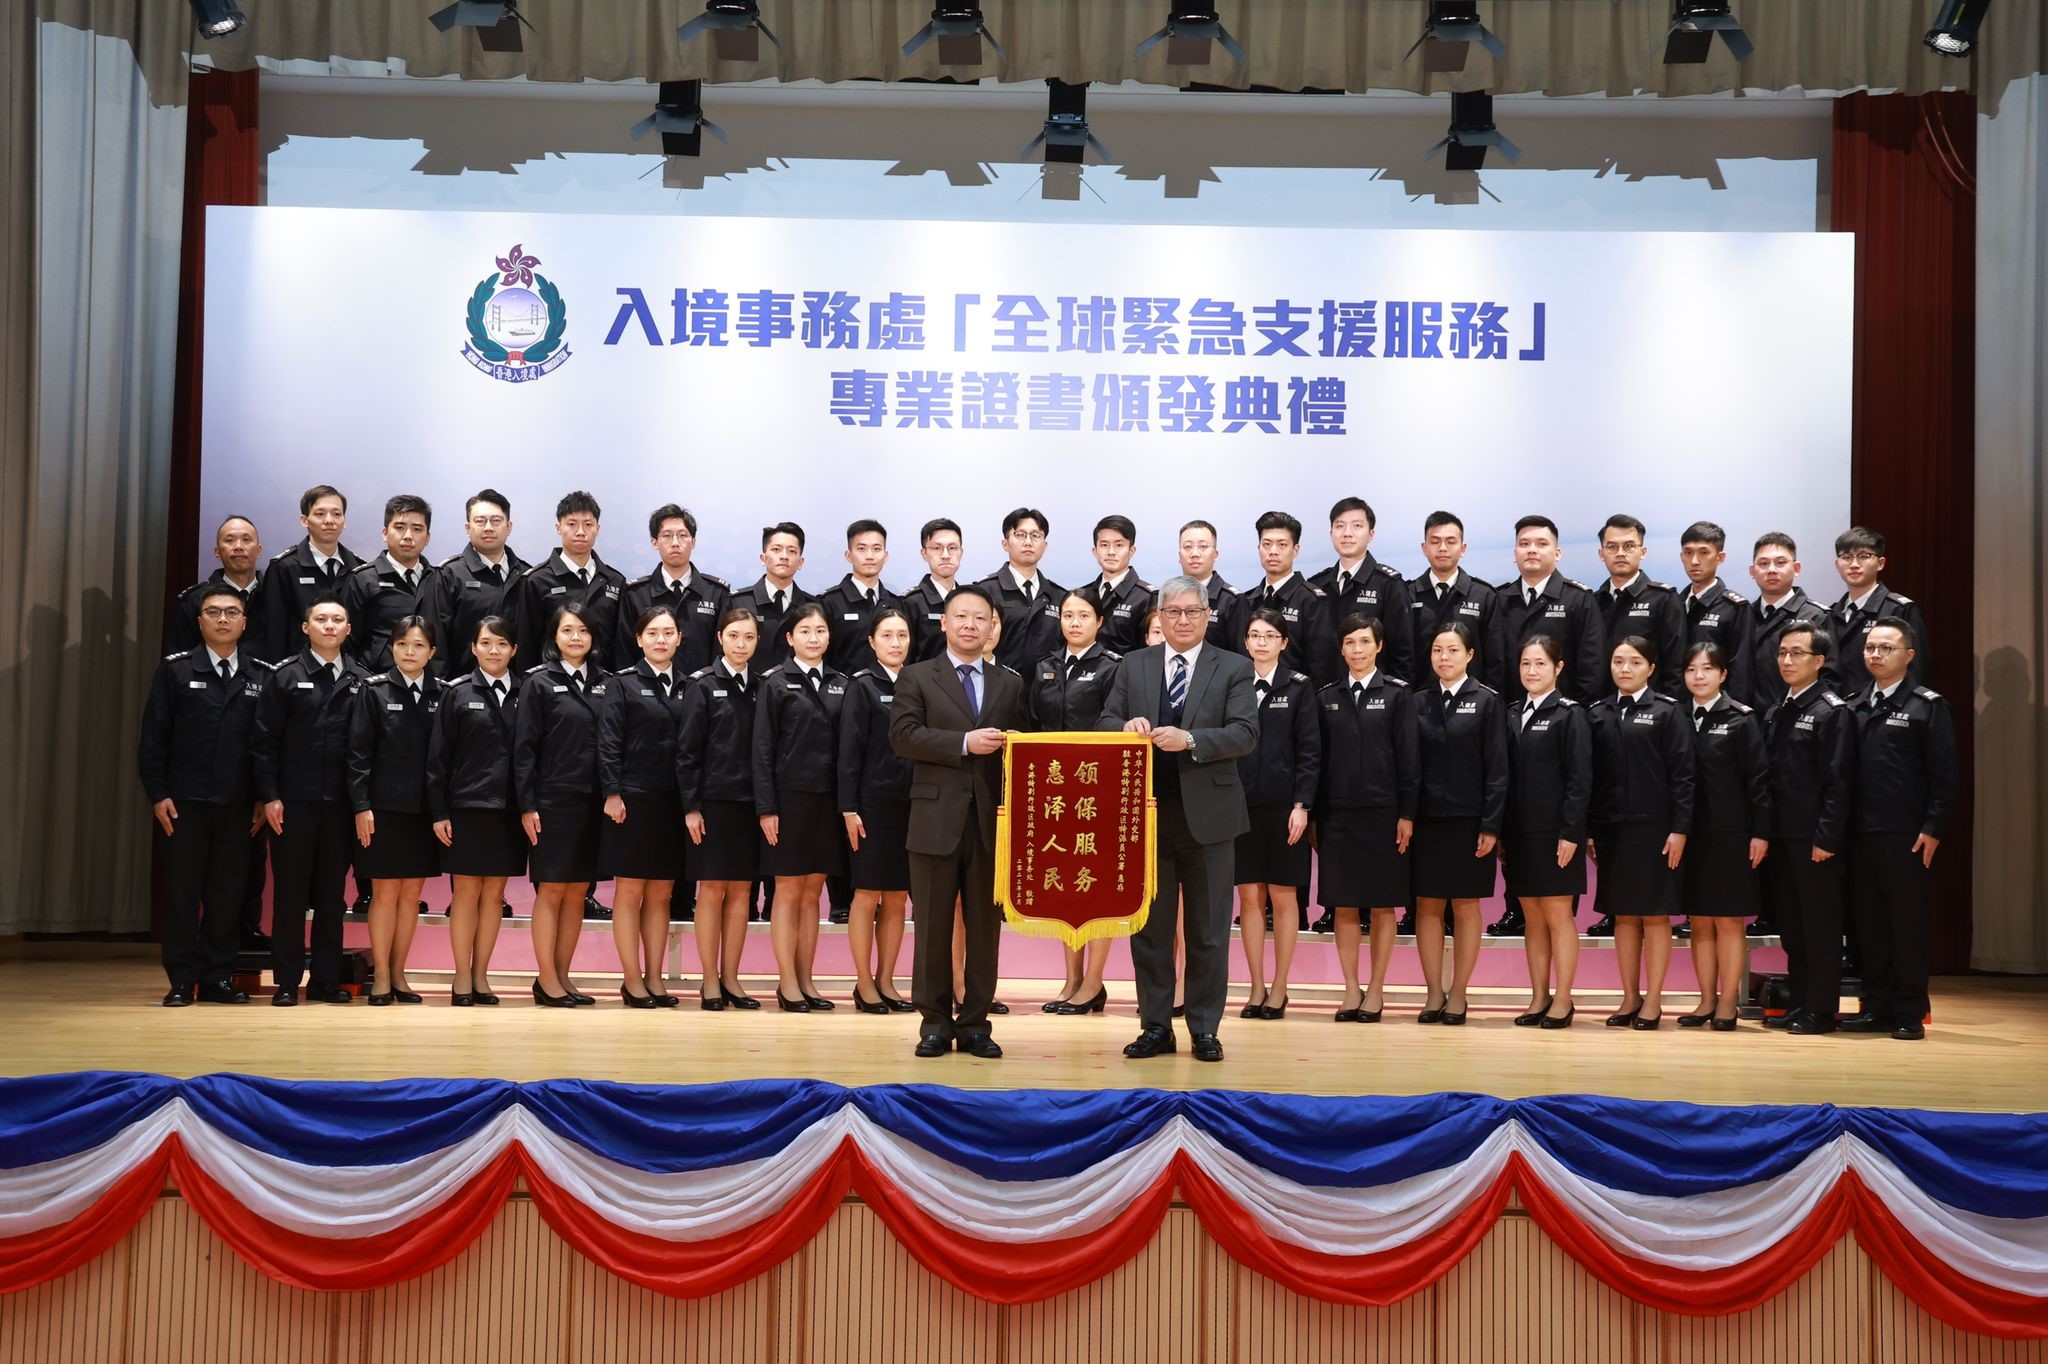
[(1528, 710), (583, 576), (1262, 686), (498, 692), (811, 676), (1442, 590), (332, 569), (1357, 695), (1628, 704), (227, 672), (1528, 596), (1029, 587), (1272, 594), (1448, 698), (411, 583), (493, 574), (576, 683), (661, 680), (739, 682), (1344, 584), (1073, 666), (781, 602), (1699, 718)]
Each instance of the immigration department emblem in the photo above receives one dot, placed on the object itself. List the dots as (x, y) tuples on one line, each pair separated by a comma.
[(516, 321)]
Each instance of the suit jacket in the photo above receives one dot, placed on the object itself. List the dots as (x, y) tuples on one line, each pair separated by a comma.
[(1221, 712), (927, 723)]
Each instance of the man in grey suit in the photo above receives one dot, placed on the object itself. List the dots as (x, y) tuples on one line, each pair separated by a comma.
[(950, 718), (1197, 705)]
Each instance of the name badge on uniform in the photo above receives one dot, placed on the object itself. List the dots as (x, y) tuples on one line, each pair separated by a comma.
[(557, 591), (560, 690), (307, 582), (1898, 722), (479, 705), (1642, 610), (612, 592), (1539, 726), (1465, 608), (704, 608), (718, 691), (1720, 729), (1123, 610), (1292, 613), (1376, 703), (196, 684), (597, 690), (1048, 677), (307, 686), (394, 705), (472, 585), (1644, 718), (1329, 705), (1370, 595), (935, 615), (792, 686), (1468, 708), (255, 689), (1711, 618), (1806, 724), (885, 697), (647, 691), (1277, 703), (1085, 677), (1554, 611), (835, 689), (851, 615)]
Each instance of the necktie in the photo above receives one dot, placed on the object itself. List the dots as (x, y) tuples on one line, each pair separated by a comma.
[(1442, 590), (494, 574), (1177, 685), (331, 569), (1344, 584), (576, 682), (1449, 697), (498, 692), (583, 576), (661, 680), (1262, 686), (1528, 596), (334, 673), (868, 597), (1073, 666), (411, 583), (1528, 710), (739, 682), (1699, 718), (781, 602), (1272, 594), (1358, 695), (966, 671), (227, 672), (811, 676), (1029, 589), (1628, 704)]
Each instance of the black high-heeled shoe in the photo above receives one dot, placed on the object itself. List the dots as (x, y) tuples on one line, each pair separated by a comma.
[(878, 1007), (576, 996), (818, 1005), (1623, 1020), (1723, 1024), (898, 1006), (792, 1006), (461, 999), (1269, 1012), (375, 1000), (1366, 1015), (1435, 1015), (1553, 1024), (1454, 1020), (634, 1001), (1251, 1009), (1351, 1015), (1073, 1008), (711, 1004), (663, 999), (734, 1001), (1694, 1020), (1052, 1006), (407, 996), (1641, 1024), (548, 1001), (485, 998), (1533, 1017)]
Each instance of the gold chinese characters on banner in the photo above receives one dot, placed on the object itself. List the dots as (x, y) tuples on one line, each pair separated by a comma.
[(1074, 837)]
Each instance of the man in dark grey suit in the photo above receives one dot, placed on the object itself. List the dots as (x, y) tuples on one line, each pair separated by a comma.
[(950, 717), (1197, 705)]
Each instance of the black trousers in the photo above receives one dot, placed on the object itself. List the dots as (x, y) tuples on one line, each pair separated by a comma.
[(253, 882), (1805, 897), (309, 860), (1888, 887), (205, 862), (1196, 878), (969, 873)]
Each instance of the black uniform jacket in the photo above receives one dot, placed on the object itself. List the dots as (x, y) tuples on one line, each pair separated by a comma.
[(1377, 589), (388, 738), (197, 729), (869, 769), (554, 736), (462, 592), (715, 740), (1372, 755), (301, 743), (1550, 768), (1070, 699), (1287, 766), (1464, 754), (549, 586), (469, 754), (1031, 630), (1564, 610), (696, 609), (1642, 762), (1731, 770), (1811, 742), (377, 599), (796, 735), (636, 731), (1906, 769)]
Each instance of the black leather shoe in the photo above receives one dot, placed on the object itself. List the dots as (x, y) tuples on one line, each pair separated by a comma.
[(839, 915), (1326, 924), (996, 1006), (898, 1006), (933, 1044), (180, 996), (1508, 925), (461, 999), (1912, 1030), (1151, 1042), (1433, 1015), (818, 1005), (1723, 1024), (592, 909), (1624, 1020), (664, 1000), (1455, 1020), (734, 1001), (1180, 1011), (1406, 927), (221, 992), (878, 1007), (1866, 1022), (1208, 1047), (979, 1044), (548, 1001), (1534, 1016), (1052, 1006), (634, 1001), (485, 998), (1809, 1024), (1642, 1024), (1682, 930), (375, 1000), (1271, 1012), (1763, 926), (575, 995), (285, 997), (792, 1006), (1788, 1021), (1251, 1010), (1071, 1008), (1565, 1021), (328, 994), (361, 906), (711, 1004), (505, 911), (255, 942), (1603, 927), (407, 997), (1694, 1020)]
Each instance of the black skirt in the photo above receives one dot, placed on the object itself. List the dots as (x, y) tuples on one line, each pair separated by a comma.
[(1634, 880), (732, 846), (403, 846), (1358, 864), (485, 843), (1719, 882), (649, 845), (1530, 865), (1264, 857), (882, 861), (1443, 867), (567, 851), (811, 840)]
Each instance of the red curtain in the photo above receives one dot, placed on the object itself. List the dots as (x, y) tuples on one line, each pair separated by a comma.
[(1905, 183)]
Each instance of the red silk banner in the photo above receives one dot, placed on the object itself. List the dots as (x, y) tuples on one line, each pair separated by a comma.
[(1074, 837)]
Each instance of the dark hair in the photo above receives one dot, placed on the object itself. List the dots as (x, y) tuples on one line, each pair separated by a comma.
[(318, 491), (934, 526), (669, 511), (490, 495), (208, 591), (232, 516), (324, 599), (497, 625), (419, 623), (649, 616), (1086, 596), (1354, 504), (1278, 520), (1640, 644), (1820, 641), (1022, 514), (1716, 656), (1357, 621), (1859, 537), (1197, 525), (1538, 523), (1461, 630), (867, 525), (970, 590), (395, 507), (801, 613), (1899, 623), (1151, 615), (1122, 525), (1623, 521), (733, 613), (1775, 537), (1267, 615), (1704, 533), (1552, 650), (1443, 518), (551, 652), (885, 612), (790, 528), (577, 501)]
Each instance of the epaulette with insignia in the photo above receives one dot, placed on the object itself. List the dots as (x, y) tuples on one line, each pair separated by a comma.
[(182, 653), (1832, 699), (1298, 677), (643, 578), (1393, 680), (1735, 597), (534, 669), (1738, 707), (1927, 693), (378, 677), (719, 583)]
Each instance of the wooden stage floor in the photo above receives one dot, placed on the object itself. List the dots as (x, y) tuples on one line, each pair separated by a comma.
[(93, 1007)]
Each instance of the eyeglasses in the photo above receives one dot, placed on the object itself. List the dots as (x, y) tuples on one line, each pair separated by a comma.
[(1880, 650), (1797, 653), (1623, 546), (1184, 612), (489, 522), (222, 612), (1029, 537), (1860, 556), (674, 537)]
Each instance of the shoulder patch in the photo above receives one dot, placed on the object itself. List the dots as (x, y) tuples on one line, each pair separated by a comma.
[(1387, 569), (173, 658), (1574, 582), (1735, 597), (865, 672), (719, 583), (1661, 587), (1393, 681), (260, 663), (1567, 702), (643, 578), (1298, 677), (1927, 693), (534, 669), (624, 672), (1316, 590), (1112, 656), (704, 671), (378, 677), (1832, 699), (1901, 598), (1739, 708)]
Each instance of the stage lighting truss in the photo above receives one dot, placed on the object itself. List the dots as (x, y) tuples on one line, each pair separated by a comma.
[(679, 117), (1955, 29), (1472, 131), (960, 30), (1448, 36), (1065, 136), (217, 18), (1693, 26), (735, 27), (1190, 33), (496, 22)]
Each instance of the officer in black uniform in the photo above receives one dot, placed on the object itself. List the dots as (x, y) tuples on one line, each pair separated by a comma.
[(692, 596), (1126, 598), (193, 756), (1198, 550), (389, 588), (1300, 603), (1631, 604), (776, 594), (1781, 606), (1540, 601), (473, 584), (1811, 737), (312, 568), (941, 545), (1906, 784), (299, 762), (1859, 558), (572, 576), (240, 552), (1027, 600), (850, 602), (1358, 584), (1445, 592), (1714, 612)]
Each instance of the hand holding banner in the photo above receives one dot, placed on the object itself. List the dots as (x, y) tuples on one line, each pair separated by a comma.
[(1074, 837)]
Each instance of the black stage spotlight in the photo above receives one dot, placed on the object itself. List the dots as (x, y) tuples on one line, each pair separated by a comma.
[(1189, 31), (217, 18), (1066, 136), (959, 29), (679, 117), (1448, 36), (496, 22), (1472, 132), (1693, 26), (1955, 29), (735, 27)]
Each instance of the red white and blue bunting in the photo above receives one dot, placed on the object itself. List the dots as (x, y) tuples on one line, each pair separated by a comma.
[(1017, 1196)]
